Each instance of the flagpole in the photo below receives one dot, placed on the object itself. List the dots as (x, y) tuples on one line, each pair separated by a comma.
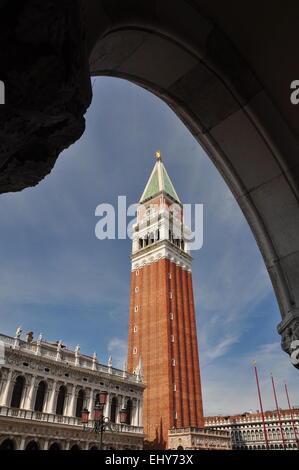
[(261, 405), (278, 412), (291, 413)]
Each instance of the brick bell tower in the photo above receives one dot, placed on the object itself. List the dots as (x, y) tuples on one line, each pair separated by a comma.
[(162, 326)]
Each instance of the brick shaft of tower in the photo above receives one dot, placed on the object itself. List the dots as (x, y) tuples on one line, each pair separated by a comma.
[(162, 324)]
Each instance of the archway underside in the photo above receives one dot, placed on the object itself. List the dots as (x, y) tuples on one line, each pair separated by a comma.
[(190, 61)]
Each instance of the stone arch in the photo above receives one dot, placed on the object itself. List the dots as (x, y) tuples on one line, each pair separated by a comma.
[(129, 409), (113, 409), (75, 448), (200, 74), (80, 403), (8, 444), (32, 445), (61, 400), (202, 65), (54, 447), (17, 392), (93, 448), (40, 396)]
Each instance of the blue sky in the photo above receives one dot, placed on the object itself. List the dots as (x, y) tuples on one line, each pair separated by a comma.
[(56, 277)]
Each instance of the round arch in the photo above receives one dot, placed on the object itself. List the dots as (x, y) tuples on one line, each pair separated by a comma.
[(54, 447), (61, 400), (93, 448), (32, 445), (7, 444), (202, 64), (113, 409), (17, 392), (75, 448), (80, 403), (199, 73), (40, 396)]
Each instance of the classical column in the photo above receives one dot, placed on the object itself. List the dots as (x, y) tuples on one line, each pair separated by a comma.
[(89, 401), (52, 398), (107, 406), (134, 412), (67, 445), (22, 443), (2, 384), (70, 410), (46, 445), (140, 412), (120, 402), (28, 400), (7, 385)]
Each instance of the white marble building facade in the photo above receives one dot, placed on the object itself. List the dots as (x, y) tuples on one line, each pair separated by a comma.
[(247, 431), (44, 387)]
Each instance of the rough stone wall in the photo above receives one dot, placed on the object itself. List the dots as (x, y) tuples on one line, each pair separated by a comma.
[(44, 67)]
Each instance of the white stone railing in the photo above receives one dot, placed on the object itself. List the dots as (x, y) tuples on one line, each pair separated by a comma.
[(58, 419), (68, 357), (268, 420), (199, 431), (7, 339), (39, 416)]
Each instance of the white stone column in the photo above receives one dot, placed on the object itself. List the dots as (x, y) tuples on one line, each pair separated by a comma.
[(2, 384), (90, 402), (22, 443), (140, 412), (106, 411), (135, 244), (67, 445), (70, 411), (134, 412), (46, 445), (28, 400), (52, 398), (6, 391), (119, 406)]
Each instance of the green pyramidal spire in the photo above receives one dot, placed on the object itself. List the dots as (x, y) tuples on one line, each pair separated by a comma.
[(159, 181)]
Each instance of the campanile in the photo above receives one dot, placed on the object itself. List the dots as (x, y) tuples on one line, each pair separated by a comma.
[(162, 327)]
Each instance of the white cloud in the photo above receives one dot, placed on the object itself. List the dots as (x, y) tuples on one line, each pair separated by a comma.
[(221, 348)]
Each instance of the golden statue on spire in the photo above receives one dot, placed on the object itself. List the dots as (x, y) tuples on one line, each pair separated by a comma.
[(158, 154)]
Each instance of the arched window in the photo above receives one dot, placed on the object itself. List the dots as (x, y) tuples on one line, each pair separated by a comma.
[(17, 392), (40, 396), (80, 402), (113, 409), (129, 411), (60, 400)]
